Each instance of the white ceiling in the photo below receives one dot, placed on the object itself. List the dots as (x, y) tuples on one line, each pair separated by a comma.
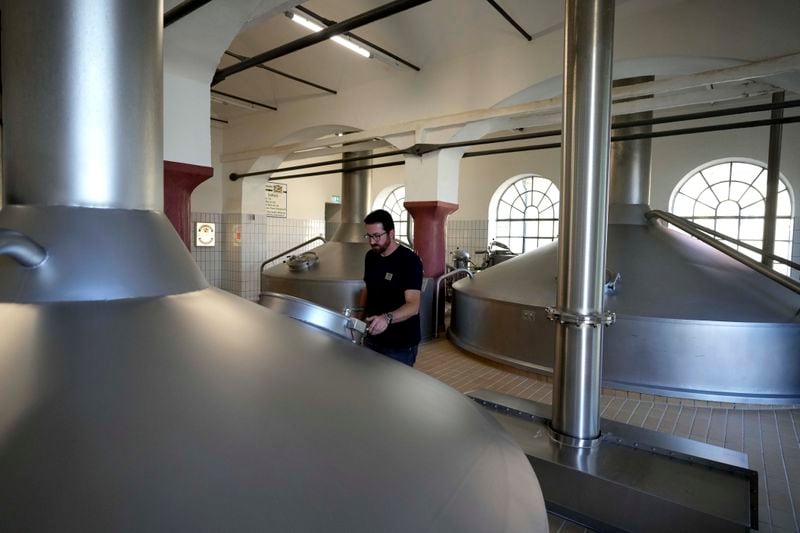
[(425, 36)]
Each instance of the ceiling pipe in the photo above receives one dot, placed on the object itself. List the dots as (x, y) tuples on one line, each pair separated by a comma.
[(355, 201), (513, 149), (510, 20), (181, 10), (651, 135), (240, 57), (579, 316), (380, 12), (631, 160), (630, 166), (252, 103), (627, 124)]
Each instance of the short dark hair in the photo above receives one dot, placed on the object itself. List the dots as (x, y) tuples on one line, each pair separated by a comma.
[(382, 216)]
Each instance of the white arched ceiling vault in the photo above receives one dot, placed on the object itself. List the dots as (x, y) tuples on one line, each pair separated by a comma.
[(481, 77), (192, 50), (434, 176), (668, 37)]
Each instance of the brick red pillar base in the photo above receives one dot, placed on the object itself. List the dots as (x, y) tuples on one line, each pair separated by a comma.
[(180, 179), (429, 234)]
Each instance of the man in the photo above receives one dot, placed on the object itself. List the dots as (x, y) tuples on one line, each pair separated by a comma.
[(393, 278)]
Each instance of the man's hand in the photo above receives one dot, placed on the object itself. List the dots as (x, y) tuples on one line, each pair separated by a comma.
[(377, 324)]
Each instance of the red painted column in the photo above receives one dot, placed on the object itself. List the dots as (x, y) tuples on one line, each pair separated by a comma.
[(430, 219), (180, 179)]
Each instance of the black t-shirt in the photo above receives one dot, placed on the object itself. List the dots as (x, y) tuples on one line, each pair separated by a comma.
[(387, 279)]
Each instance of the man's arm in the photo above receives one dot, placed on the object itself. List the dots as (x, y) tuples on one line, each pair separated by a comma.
[(379, 323), (408, 309)]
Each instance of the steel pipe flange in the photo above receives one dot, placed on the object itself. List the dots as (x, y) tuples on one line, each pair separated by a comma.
[(577, 319)]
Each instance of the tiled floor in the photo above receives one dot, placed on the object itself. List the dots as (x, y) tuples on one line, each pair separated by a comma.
[(770, 436)]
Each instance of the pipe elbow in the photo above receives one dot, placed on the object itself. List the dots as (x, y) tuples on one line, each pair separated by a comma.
[(21, 248)]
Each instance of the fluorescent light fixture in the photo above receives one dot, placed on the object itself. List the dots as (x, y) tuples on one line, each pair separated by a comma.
[(220, 99), (338, 39), (313, 26)]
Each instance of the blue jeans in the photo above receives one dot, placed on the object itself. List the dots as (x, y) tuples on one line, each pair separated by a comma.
[(407, 356)]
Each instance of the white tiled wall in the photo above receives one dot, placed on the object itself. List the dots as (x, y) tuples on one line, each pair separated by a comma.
[(469, 235), (235, 267), (234, 263), (264, 237), (209, 259)]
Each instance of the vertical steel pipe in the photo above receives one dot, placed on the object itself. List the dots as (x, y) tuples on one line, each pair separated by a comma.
[(83, 120), (588, 57), (355, 199), (630, 164), (773, 180), (630, 160)]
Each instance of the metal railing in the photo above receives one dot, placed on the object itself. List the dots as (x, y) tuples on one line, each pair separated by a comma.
[(705, 235), (436, 295), (309, 241)]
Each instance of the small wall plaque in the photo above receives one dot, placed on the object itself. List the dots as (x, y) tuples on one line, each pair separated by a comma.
[(205, 234)]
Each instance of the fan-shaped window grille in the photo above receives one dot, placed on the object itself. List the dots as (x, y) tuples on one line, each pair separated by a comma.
[(394, 205), (729, 197), (526, 214)]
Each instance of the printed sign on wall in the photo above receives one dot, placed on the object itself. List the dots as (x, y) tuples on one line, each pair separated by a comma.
[(275, 195), (205, 234)]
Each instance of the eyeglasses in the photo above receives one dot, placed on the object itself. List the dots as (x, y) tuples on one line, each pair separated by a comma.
[(374, 236)]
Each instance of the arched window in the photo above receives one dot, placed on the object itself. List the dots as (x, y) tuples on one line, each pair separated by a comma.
[(729, 197), (523, 213), (392, 199)]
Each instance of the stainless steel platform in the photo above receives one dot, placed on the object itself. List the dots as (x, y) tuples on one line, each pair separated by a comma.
[(634, 479)]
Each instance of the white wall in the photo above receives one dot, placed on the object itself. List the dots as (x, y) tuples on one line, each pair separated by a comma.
[(207, 197), (306, 196), (481, 176), (675, 157), (192, 49), (186, 120)]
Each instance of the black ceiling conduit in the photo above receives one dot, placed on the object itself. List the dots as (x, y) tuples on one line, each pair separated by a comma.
[(340, 170), (181, 10), (281, 73), (417, 149), (246, 100), (510, 19), (529, 148), (421, 149), (649, 135), (380, 12), (329, 22), (708, 114)]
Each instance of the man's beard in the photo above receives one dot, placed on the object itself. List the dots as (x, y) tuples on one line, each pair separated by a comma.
[(380, 248)]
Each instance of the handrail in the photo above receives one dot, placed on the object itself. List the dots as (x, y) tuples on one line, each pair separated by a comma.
[(309, 241), (436, 295), (737, 242), (692, 229)]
